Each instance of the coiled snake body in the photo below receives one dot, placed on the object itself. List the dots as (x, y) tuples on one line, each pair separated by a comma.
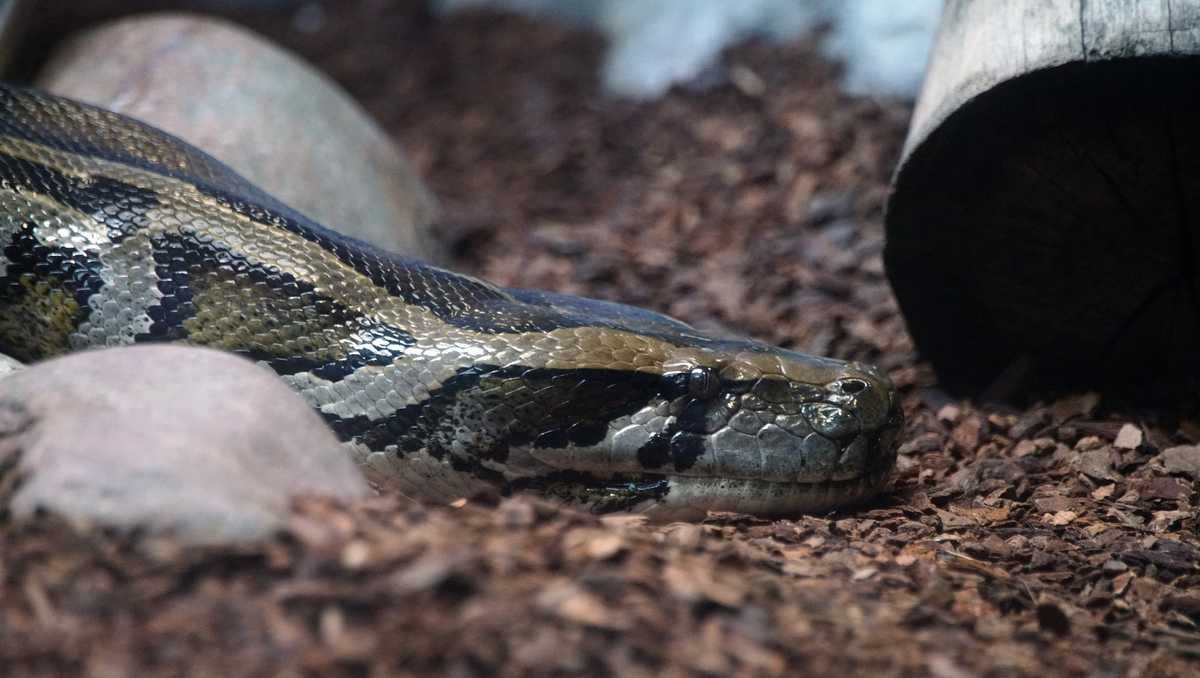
[(114, 233)]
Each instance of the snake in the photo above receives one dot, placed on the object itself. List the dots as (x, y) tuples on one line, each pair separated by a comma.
[(439, 384)]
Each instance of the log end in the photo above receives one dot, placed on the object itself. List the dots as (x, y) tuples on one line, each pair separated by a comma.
[(1051, 223)]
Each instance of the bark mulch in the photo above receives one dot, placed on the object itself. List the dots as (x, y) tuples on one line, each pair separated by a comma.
[(1058, 537)]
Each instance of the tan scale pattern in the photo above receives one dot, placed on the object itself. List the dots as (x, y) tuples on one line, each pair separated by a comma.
[(44, 317), (62, 122)]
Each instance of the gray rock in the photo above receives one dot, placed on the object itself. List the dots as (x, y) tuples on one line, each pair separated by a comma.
[(260, 110), (189, 442)]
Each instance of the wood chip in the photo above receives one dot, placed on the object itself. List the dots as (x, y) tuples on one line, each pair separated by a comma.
[(1025, 448), (954, 521), (1128, 438), (1060, 518), (949, 413), (574, 604), (966, 434), (1076, 406), (1098, 464), (1184, 459)]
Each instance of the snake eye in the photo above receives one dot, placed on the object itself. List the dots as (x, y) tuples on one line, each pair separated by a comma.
[(703, 382)]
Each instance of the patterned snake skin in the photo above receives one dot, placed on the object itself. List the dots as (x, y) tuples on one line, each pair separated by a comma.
[(440, 384)]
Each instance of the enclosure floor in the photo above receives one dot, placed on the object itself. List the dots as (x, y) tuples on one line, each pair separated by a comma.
[(1051, 540)]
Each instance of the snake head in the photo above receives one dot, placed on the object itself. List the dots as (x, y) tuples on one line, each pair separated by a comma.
[(736, 426), (761, 430)]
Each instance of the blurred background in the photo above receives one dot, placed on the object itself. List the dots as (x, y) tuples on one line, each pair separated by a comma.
[(651, 45)]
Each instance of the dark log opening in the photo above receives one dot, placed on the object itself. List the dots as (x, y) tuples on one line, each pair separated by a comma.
[(1052, 222)]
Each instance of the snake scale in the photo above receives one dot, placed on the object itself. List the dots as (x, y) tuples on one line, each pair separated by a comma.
[(440, 384)]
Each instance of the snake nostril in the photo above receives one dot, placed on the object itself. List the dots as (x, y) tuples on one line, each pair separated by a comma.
[(852, 386)]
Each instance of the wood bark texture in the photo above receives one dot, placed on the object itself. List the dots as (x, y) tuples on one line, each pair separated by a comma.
[(1043, 217)]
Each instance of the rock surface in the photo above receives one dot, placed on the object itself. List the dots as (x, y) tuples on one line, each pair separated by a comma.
[(9, 365), (259, 109), (190, 442)]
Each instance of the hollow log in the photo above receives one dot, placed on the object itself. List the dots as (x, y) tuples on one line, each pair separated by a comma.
[(1044, 216)]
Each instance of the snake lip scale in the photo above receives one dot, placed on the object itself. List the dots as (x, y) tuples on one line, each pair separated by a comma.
[(440, 384)]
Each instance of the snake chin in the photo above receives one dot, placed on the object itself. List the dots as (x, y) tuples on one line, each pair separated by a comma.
[(692, 498), (666, 497)]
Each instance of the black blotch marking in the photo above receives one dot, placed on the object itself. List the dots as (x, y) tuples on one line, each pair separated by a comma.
[(377, 344), (121, 207), (76, 271), (180, 260), (703, 382), (474, 468), (686, 448), (498, 453), (554, 438), (656, 452), (174, 261), (586, 433), (694, 416), (578, 420), (410, 427), (674, 385), (429, 425)]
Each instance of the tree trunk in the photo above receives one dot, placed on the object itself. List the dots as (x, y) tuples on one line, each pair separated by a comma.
[(1044, 214)]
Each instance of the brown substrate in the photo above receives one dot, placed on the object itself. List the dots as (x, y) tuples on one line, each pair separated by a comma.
[(1057, 539)]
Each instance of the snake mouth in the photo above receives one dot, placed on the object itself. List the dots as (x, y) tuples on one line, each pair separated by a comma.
[(692, 498), (670, 496)]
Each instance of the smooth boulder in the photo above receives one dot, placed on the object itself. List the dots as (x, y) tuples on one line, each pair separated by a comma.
[(259, 109), (167, 440)]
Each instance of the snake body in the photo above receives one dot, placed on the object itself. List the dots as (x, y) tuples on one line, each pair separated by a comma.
[(440, 384)]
